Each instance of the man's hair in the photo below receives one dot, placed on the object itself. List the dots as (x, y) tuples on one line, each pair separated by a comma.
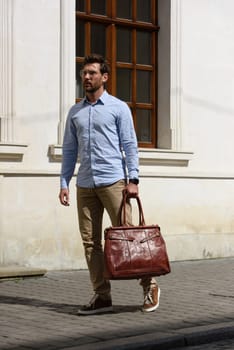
[(95, 58)]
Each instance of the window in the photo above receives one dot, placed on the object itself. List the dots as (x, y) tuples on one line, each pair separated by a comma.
[(125, 32)]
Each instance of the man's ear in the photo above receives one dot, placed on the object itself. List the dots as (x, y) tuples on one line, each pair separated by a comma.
[(105, 77)]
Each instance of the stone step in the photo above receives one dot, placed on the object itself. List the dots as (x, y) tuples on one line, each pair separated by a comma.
[(20, 271)]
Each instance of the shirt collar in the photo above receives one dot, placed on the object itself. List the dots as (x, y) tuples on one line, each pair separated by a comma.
[(102, 99)]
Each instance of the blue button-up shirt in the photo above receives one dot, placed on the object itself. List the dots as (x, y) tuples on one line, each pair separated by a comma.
[(103, 136)]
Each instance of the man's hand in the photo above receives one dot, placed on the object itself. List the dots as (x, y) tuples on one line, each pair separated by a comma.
[(64, 196), (132, 189)]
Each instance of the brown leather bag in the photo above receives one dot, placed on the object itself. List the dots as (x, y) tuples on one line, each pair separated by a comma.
[(133, 252)]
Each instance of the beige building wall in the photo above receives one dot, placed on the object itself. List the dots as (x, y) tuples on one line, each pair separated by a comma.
[(186, 185)]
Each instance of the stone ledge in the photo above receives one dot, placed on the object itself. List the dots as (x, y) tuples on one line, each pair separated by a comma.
[(20, 271), (55, 153), (164, 157), (147, 156), (12, 151)]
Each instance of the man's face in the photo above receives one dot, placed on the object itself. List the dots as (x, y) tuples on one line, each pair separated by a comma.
[(92, 78)]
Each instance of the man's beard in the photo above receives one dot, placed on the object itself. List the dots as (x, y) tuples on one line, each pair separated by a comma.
[(91, 89)]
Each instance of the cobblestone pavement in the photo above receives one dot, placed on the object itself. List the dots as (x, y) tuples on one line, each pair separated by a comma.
[(196, 306)]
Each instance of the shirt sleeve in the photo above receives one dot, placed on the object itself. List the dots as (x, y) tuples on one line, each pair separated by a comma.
[(70, 152), (128, 141)]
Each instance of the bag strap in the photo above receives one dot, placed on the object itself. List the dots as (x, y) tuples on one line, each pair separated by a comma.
[(123, 221)]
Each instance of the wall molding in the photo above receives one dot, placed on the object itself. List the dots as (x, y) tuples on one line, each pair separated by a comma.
[(170, 98), (67, 62), (146, 156), (164, 157), (12, 151), (67, 72), (196, 175), (55, 153), (176, 76), (6, 71)]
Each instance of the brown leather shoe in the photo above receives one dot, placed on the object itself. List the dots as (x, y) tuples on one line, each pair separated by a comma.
[(151, 298), (97, 305)]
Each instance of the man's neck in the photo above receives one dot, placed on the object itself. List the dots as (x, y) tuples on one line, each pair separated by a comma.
[(93, 97)]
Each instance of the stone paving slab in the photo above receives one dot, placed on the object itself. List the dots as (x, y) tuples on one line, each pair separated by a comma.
[(197, 303)]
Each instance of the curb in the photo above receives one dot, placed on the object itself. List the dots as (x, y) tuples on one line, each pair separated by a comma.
[(165, 341), (20, 271)]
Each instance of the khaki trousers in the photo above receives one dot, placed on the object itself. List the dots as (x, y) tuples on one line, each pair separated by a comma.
[(91, 203)]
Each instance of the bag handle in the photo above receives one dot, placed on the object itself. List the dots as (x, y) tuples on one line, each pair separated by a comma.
[(123, 221)]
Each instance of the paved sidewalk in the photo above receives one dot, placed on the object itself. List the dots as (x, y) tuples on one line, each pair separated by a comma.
[(196, 306)]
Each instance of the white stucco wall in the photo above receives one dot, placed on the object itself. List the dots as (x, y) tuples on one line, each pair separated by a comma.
[(208, 83), (191, 200)]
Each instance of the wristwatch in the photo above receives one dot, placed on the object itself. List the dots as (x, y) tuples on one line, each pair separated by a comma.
[(134, 181)]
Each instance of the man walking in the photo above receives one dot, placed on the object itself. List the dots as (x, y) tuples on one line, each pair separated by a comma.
[(100, 130)]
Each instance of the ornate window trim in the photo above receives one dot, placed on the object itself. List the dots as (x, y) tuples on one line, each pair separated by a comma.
[(9, 149), (67, 72)]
